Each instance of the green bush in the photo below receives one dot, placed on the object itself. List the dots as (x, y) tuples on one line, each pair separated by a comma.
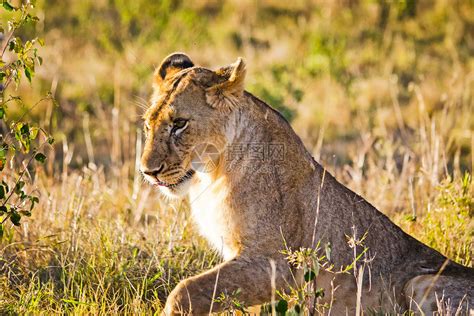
[(21, 141)]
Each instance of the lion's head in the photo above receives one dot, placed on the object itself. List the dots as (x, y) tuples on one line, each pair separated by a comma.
[(190, 107)]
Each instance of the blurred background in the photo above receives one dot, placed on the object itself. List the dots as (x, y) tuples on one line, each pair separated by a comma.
[(344, 73), (381, 92)]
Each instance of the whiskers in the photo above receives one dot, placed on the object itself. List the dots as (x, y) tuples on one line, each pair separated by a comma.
[(142, 104)]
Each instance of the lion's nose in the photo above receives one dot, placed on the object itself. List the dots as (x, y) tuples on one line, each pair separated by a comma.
[(153, 172)]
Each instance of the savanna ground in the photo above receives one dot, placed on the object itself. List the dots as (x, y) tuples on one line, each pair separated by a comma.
[(382, 94)]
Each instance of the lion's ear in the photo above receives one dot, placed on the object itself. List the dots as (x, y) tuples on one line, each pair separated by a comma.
[(171, 65), (228, 89)]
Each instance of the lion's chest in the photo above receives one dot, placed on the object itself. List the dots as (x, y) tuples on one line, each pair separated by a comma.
[(211, 213)]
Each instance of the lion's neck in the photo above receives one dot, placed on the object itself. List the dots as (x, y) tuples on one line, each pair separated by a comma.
[(242, 128), (211, 194)]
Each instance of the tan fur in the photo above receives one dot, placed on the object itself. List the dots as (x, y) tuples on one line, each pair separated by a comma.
[(255, 201)]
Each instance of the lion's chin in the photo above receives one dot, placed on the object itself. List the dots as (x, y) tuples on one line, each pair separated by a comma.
[(176, 192)]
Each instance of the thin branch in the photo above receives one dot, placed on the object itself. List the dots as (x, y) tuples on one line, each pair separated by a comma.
[(33, 153), (7, 42)]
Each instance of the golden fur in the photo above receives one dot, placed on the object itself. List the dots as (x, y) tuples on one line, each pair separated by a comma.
[(266, 188)]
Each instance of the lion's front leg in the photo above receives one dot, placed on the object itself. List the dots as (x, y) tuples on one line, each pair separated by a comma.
[(253, 276)]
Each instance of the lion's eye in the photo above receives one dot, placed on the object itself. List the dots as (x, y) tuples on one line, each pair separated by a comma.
[(179, 125)]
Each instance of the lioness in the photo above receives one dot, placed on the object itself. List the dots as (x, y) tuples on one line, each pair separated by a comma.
[(267, 190)]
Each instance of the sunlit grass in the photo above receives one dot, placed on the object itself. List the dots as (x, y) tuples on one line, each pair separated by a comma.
[(384, 100)]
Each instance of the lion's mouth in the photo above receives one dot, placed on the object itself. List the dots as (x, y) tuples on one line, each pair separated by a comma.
[(188, 175)]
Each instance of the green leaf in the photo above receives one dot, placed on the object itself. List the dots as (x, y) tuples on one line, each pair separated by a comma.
[(319, 293), (2, 192), (25, 213), (328, 251), (2, 112), (26, 144), (1, 231), (40, 157), (19, 186), (282, 306), (7, 6), (24, 129), (34, 132), (309, 276), (22, 134), (33, 200), (297, 309), (30, 17), (5, 185), (28, 73), (23, 195), (15, 218), (27, 45), (11, 45)]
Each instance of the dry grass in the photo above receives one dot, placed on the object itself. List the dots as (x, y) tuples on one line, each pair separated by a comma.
[(386, 108), (95, 249)]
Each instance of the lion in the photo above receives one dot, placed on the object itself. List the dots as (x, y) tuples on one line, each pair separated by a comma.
[(266, 192)]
